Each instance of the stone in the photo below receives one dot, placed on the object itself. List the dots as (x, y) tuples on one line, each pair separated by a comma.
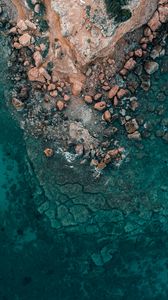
[(131, 126), (48, 152), (147, 32), (130, 64), (51, 87), (25, 40), (37, 8), (115, 101), (155, 53), (100, 105), (151, 67), (123, 72), (37, 58), (135, 136), (138, 52), (113, 91), (79, 149), (97, 96), (122, 93), (54, 93), (34, 75), (30, 25), (154, 22), (18, 104), (60, 105), (22, 25), (66, 98), (43, 72), (163, 13), (107, 116), (17, 45), (88, 99)]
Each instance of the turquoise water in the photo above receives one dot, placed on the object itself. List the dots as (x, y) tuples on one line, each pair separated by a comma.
[(120, 251)]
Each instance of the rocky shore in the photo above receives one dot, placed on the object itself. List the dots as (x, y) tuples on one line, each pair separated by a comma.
[(81, 116), (76, 129)]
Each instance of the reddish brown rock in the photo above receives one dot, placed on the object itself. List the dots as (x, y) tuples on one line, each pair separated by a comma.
[(135, 136), (147, 32), (51, 87), (48, 152), (107, 116), (131, 126), (151, 67), (17, 104), (30, 25), (54, 93), (122, 93), (79, 149), (163, 13), (130, 64), (16, 45), (115, 101), (25, 40), (66, 98), (97, 96), (154, 22), (88, 99), (113, 91), (100, 105), (138, 52), (43, 72), (123, 72), (101, 165), (37, 58), (22, 25), (60, 105), (34, 75)]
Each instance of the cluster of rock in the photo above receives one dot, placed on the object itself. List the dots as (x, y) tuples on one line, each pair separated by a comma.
[(110, 101)]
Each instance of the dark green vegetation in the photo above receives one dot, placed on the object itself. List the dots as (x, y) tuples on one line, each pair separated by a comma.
[(115, 10)]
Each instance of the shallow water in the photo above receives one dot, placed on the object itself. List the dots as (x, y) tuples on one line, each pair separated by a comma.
[(125, 254)]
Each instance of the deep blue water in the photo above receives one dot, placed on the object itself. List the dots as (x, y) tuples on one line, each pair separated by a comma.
[(39, 262)]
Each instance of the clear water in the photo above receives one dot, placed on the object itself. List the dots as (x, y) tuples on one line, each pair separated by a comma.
[(127, 260)]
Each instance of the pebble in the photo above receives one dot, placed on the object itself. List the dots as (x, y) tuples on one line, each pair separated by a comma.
[(107, 116), (60, 105), (48, 152), (88, 99), (113, 91), (25, 40), (151, 67), (100, 105), (97, 96)]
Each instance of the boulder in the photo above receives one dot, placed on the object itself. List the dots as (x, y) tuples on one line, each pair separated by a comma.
[(100, 105), (151, 67), (113, 91)]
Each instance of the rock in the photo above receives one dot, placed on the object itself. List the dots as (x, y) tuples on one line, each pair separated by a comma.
[(115, 101), (43, 72), (17, 104), (60, 105), (135, 136), (107, 116), (113, 153), (113, 91), (155, 53), (48, 152), (123, 72), (147, 32), (24, 93), (106, 87), (131, 126), (151, 67), (122, 93), (54, 93), (102, 165), (16, 45), (34, 75), (100, 105), (37, 8), (163, 13), (13, 30), (134, 105), (66, 98), (37, 58), (154, 22), (22, 25), (79, 149), (138, 52), (51, 87), (97, 96), (25, 40), (88, 99), (130, 64), (30, 25)]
